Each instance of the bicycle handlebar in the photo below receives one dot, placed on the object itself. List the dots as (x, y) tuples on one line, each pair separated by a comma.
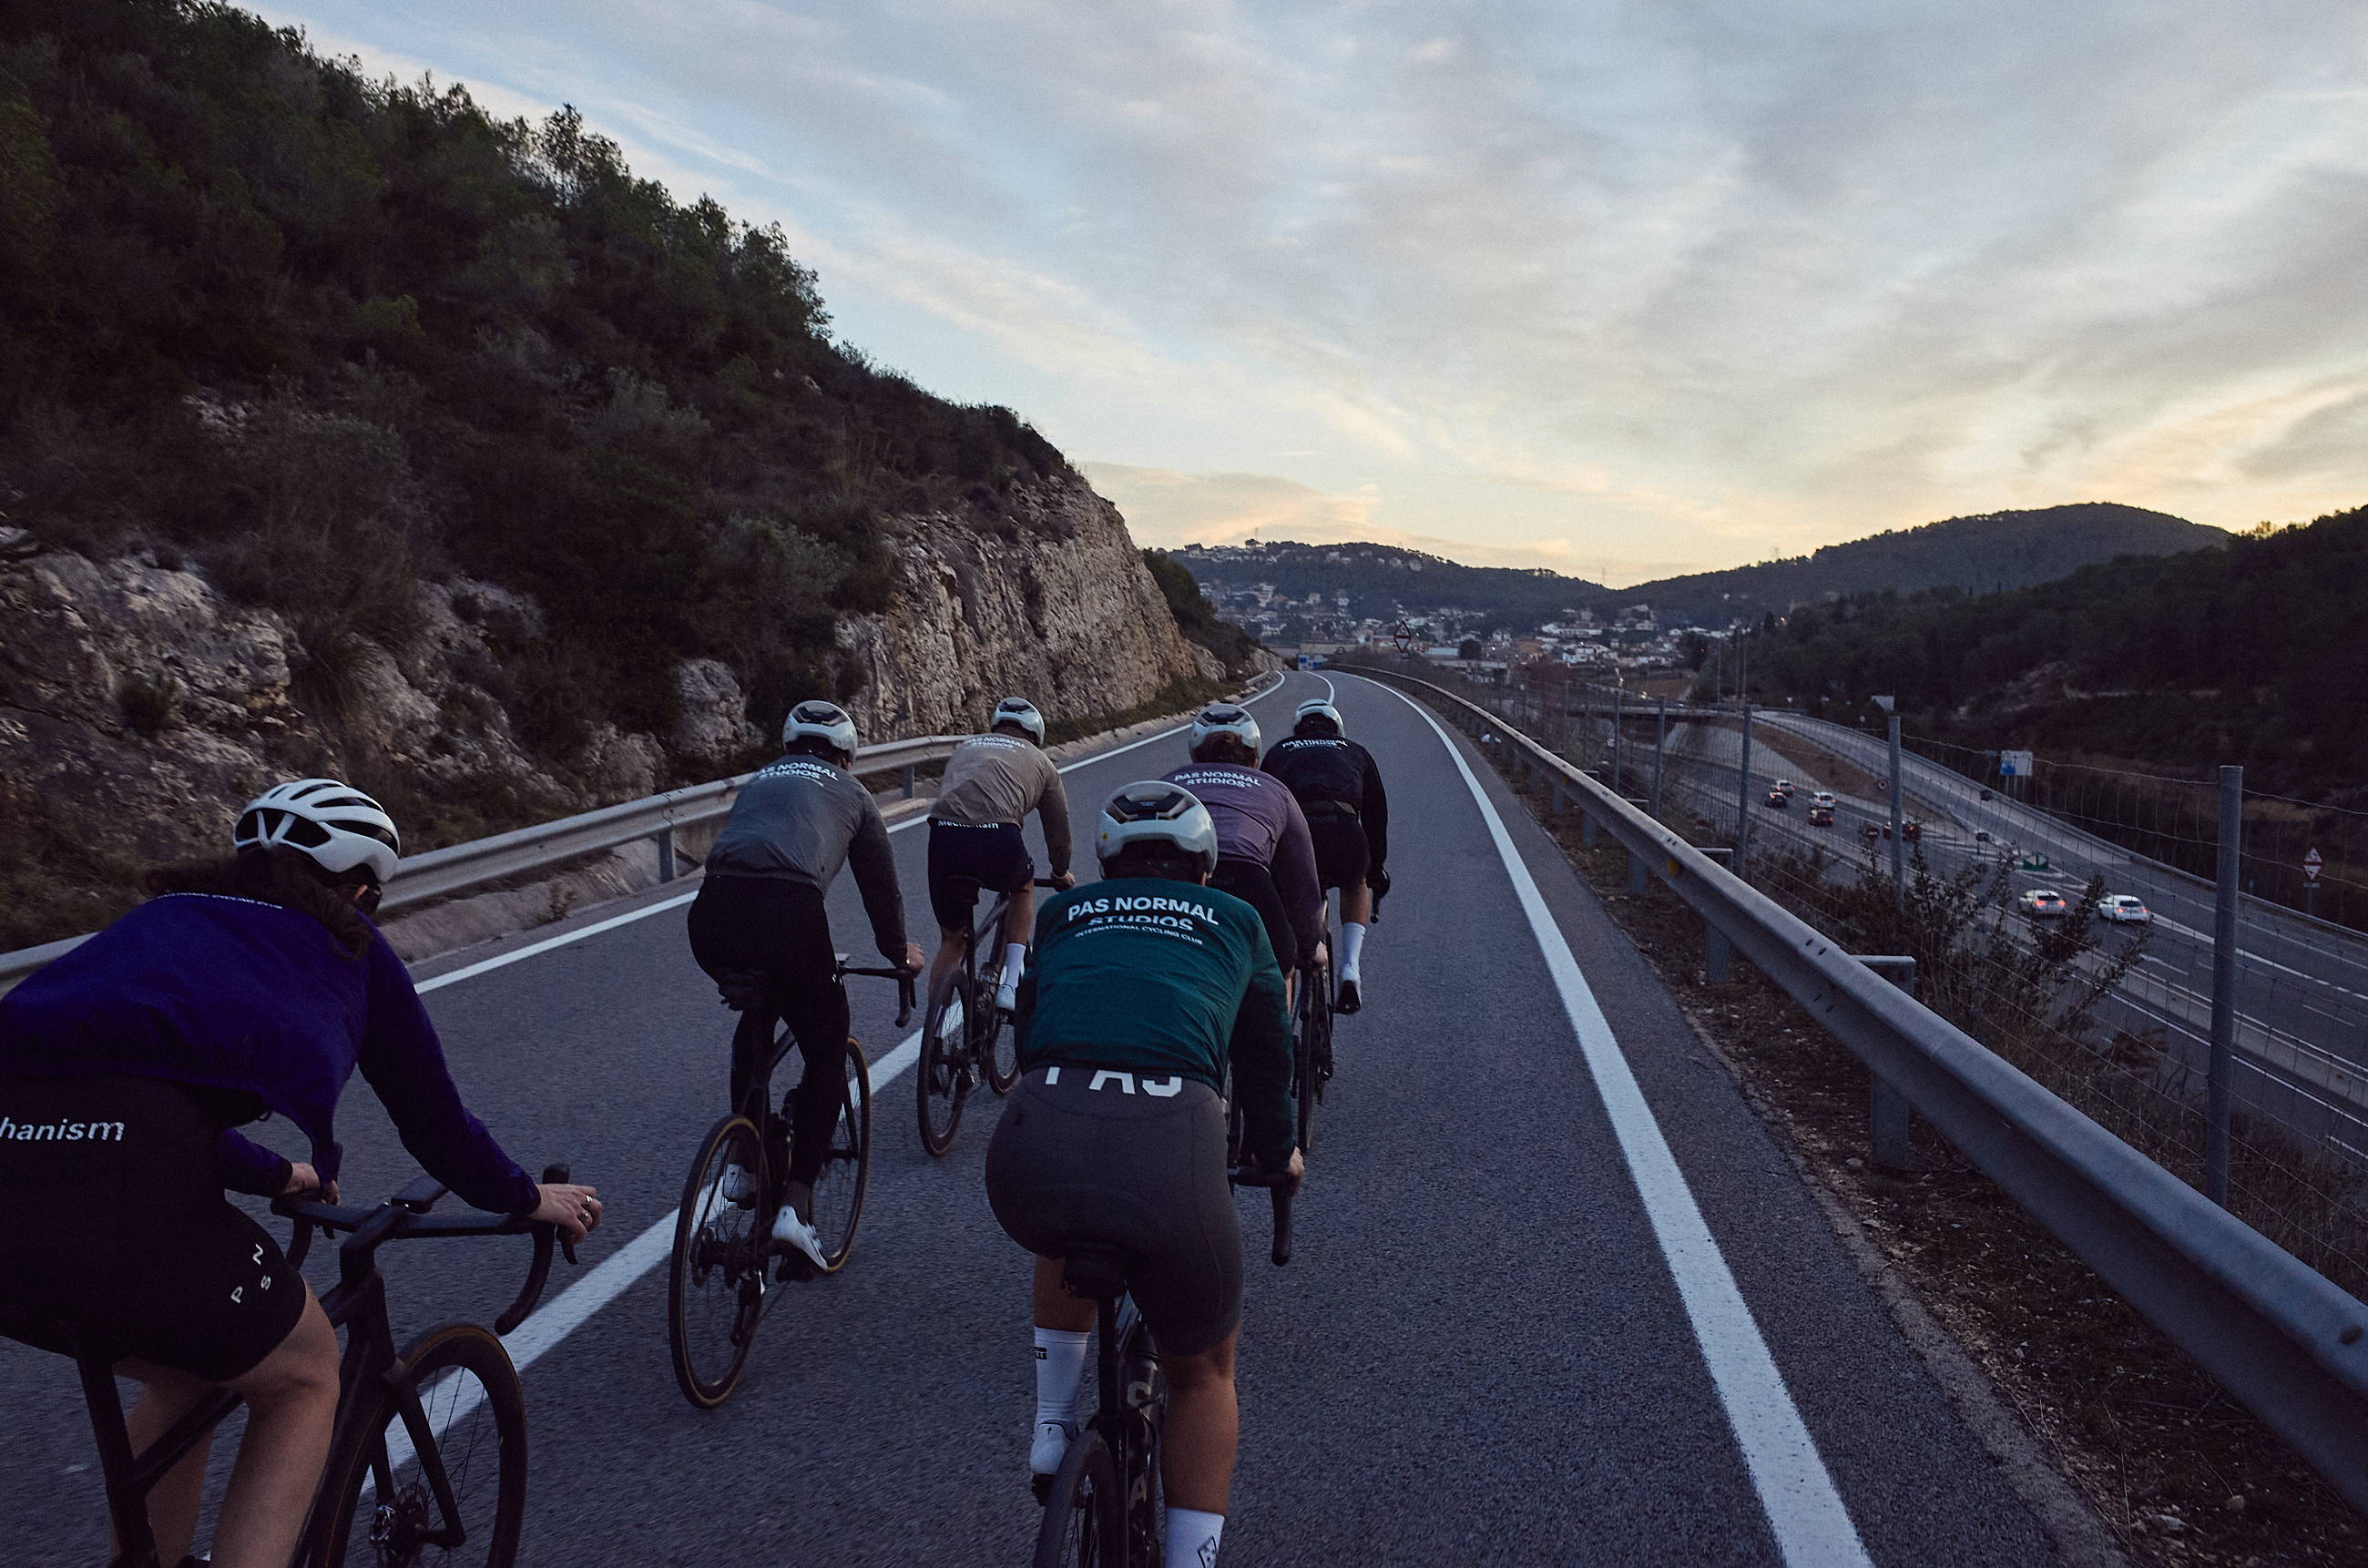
[(1279, 1187), (906, 981), (404, 1217)]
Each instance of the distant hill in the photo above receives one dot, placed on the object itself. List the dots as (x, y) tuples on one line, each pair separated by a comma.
[(1980, 554), (2248, 654), (1381, 580)]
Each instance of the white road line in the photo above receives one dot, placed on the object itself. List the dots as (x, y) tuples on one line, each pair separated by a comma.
[(618, 1273), (1804, 1513), (536, 949)]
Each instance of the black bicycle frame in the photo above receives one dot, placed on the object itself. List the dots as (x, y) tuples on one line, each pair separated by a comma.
[(356, 1303)]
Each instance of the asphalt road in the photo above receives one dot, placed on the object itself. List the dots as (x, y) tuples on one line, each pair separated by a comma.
[(1557, 1297)]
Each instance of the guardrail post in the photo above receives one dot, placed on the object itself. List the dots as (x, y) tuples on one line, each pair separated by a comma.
[(1717, 951), (664, 839), (1640, 873), (909, 786), (1889, 1119), (2224, 988), (1660, 753)]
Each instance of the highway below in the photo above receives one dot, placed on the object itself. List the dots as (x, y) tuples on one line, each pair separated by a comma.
[(2302, 1026), (1558, 1298)]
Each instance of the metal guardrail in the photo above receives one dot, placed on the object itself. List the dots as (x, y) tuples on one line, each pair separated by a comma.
[(2283, 1339), (440, 873)]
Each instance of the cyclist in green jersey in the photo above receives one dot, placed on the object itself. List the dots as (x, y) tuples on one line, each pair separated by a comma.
[(1146, 987)]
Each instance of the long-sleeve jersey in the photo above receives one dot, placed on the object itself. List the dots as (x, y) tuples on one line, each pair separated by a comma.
[(1257, 820), (1001, 778), (1145, 975), (1326, 768), (233, 994), (801, 820)]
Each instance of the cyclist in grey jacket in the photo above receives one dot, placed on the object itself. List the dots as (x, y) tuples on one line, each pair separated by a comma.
[(991, 783), (760, 909)]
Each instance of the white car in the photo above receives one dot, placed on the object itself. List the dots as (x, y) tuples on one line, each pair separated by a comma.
[(1823, 798), (2123, 909)]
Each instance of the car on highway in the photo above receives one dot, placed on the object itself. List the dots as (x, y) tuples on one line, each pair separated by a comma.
[(1821, 816), (2124, 909), (1912, 831), (1784, 787), (1824, 798), (2043, 903), (1778, 798)]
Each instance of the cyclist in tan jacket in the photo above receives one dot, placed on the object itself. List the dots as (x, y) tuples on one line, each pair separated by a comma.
[(991, 783)]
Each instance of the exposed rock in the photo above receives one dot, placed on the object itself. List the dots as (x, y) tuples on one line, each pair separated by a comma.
[(714, 727), (1063, 613)]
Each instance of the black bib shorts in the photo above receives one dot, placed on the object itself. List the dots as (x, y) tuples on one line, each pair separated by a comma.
[(1132, 1163), (118, 1230), (1254, 885), (964, 859)]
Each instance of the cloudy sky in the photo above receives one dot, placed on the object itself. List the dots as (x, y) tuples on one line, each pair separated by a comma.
[(1622, 287)]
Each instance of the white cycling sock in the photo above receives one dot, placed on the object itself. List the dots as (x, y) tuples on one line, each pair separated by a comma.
[(1192, 1538), (1352, 944), (1060, 1369), (1015, 963)]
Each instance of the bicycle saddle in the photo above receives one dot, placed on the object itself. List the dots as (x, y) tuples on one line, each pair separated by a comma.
[(1097, 1272), (741, 988)]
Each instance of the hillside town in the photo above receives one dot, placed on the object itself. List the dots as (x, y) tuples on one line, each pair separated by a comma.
[(1324, 621)]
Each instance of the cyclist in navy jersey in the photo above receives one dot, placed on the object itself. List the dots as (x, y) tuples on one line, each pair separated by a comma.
[(1336, 785), (1265, 857), (250, 986)]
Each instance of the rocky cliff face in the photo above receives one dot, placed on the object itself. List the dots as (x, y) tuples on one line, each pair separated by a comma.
[(1056, 607), (139, 705)]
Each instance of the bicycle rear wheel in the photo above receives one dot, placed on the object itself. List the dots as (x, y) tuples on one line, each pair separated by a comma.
[(1083, 1522), (942, 1077), (1306, 1087), (715, 1281), (995, 1042), (432, 1471), (846, 1164)]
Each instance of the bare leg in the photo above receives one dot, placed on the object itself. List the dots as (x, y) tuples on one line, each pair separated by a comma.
[(1357, 905), (292, 1409), (1204, 1420), (949, 951), (166, 1396), (1055, 1308), (1019, 916)]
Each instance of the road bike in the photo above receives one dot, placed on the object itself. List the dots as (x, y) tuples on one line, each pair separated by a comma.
[(966, 1038), (1311, 1055), (428, 1459), (723, 1274), (1103, 1506)]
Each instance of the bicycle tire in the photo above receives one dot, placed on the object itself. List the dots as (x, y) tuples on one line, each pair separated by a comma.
[(1305, 1090), (847, 1165), (997, 1047), (941, 1078), (1083, 1524), (415, 1412), (715, 1278)]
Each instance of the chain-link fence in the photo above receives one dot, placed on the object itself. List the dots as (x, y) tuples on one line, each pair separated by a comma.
[(2056, 913)]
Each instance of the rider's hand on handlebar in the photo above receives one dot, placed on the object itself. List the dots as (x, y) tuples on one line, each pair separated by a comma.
[(571, 1206), (304, 1181), (912, 961), (1065, 881), (1296, 1169)]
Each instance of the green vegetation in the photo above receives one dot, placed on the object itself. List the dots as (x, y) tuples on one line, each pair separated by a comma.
[(1379, 578), (325, 337), (1195, 617), (2251, 654), (1981, 554)]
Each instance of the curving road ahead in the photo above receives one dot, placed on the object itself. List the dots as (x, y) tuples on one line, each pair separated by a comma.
[(1557, 1297)]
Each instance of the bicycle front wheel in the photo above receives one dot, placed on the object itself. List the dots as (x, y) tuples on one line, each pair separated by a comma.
[(1083, 1521), (715, 1280), (942, 1077), (846, 1164), (432, 1469)]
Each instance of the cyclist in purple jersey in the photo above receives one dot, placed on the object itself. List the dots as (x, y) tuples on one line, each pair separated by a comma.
[(1265, 855)]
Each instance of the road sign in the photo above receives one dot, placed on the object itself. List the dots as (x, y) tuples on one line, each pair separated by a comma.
[(2014, 765), (2034, 863), (2310, 865)]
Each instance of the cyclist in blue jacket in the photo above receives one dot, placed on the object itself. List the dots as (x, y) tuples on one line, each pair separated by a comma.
[(250, 986)]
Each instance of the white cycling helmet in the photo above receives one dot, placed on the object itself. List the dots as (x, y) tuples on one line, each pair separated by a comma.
[(1226, 718), (1020, 711), (821, 721), (1155, 811), (1319, 708), (337, 825)]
